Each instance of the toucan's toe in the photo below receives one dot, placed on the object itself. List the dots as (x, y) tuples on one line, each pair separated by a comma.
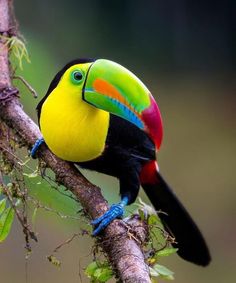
[(100, 223), (36, 147)]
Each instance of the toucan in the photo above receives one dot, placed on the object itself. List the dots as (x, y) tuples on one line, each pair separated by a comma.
[(99, 115)]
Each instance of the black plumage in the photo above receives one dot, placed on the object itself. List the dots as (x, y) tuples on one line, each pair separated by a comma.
[(127, 150)]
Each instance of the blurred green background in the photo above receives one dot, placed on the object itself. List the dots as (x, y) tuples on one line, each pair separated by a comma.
[(184, 51)]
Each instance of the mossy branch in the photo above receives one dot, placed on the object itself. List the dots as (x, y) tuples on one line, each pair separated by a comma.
[(124, 252)]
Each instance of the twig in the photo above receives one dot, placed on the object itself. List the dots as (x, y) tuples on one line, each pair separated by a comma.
[(22, 221), (66, 242), (30, 88), (39, 205)]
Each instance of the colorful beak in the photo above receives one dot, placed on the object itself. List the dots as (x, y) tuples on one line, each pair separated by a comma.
[(113, 88)]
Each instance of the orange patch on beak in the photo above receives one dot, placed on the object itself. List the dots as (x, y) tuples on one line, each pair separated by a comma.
[(109, 90), (105, 88)]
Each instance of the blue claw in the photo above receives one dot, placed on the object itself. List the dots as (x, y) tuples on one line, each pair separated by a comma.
[(115, 211), (36, 147)]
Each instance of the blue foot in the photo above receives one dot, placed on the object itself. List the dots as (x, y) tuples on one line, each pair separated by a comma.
[(115, 211), (36, 147)]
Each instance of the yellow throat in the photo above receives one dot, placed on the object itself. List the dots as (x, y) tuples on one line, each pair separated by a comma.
[(73, 129)]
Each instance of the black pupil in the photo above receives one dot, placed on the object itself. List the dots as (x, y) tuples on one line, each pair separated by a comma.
[(78, 76)]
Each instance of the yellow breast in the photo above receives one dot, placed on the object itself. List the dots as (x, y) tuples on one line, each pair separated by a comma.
[(72, 129)]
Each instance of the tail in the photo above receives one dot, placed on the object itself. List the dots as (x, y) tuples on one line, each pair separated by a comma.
[(176, 220)]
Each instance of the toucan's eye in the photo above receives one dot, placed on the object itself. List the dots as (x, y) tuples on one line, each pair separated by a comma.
[(77, 77)]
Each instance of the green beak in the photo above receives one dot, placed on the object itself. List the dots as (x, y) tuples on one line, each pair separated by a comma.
[(113, 88)]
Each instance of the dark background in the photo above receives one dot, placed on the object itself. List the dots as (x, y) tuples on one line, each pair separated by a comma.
[(170, 36), (184, 51)]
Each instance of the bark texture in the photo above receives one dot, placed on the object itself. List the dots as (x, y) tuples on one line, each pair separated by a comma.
[(121, 242)]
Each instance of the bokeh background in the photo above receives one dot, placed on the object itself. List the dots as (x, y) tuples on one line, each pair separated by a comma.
[(184, 51)]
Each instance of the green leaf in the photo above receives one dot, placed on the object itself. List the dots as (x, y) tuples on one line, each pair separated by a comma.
[(153, 220), (91, 268), (167, 252), (141, 214), (6, 220), (99, 272), (2, 205), (103, 274), (163, 271), (153, 272)]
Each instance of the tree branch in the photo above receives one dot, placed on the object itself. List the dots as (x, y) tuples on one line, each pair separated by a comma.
[(123, 249)]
